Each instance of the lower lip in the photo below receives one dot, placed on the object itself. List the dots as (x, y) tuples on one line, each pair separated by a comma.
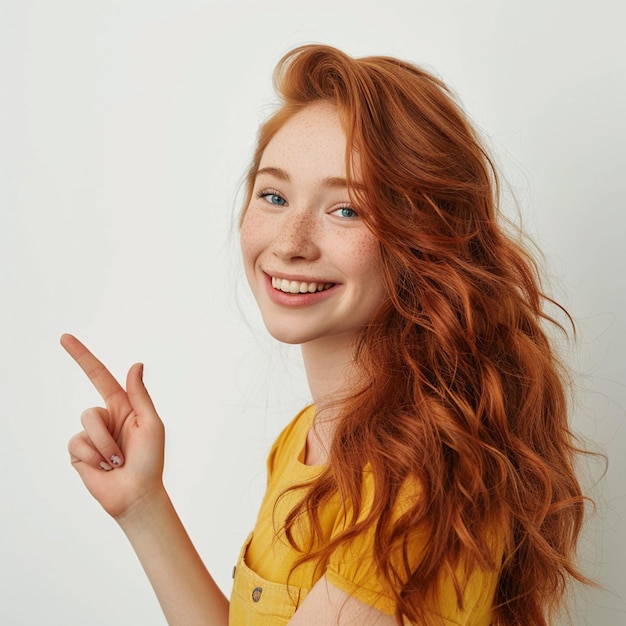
[(296, 299)]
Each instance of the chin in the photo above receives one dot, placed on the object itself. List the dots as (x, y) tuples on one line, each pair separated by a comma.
[(326, 339), (292, 338)]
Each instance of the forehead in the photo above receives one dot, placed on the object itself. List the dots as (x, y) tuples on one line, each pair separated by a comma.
[(312, 138)]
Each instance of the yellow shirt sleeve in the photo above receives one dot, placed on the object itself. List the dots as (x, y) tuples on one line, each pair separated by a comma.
[(352, 569)]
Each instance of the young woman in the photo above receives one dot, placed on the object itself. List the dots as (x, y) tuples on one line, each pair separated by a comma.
[(431, 481)]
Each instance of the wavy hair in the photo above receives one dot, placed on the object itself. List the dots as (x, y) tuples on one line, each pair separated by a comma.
[(464, 391)]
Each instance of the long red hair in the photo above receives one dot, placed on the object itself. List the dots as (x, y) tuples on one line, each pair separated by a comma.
[(464, 391)]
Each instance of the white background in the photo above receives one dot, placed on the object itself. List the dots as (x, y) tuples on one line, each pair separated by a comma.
[(125, 128)]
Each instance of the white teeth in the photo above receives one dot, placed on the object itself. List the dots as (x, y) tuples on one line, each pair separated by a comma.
[(296, 286)]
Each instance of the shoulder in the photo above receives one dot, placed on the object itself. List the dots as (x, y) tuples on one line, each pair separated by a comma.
[(355, 566)]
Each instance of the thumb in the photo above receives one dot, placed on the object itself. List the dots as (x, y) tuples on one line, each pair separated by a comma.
[(138, 394)]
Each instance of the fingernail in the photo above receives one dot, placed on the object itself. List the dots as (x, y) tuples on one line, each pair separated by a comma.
[(105, 466), (116, 459)]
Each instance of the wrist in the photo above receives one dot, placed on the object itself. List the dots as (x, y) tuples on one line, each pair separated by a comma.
[(150, 506)]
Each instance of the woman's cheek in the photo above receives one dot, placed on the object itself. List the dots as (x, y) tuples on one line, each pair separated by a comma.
[(249, 235), (365, 254)]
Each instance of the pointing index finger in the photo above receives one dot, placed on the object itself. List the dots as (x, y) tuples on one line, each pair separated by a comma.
[(108, 388)]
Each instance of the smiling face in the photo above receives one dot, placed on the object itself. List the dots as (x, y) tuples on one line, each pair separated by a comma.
[(313, 265)]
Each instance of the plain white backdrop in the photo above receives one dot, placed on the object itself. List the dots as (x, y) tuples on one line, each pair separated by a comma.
[(125, 128)]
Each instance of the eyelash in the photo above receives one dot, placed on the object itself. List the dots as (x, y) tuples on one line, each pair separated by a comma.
[(267, 193), (347, 208)]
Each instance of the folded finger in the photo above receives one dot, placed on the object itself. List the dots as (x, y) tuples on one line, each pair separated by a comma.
[(96, 422), (82, 451)]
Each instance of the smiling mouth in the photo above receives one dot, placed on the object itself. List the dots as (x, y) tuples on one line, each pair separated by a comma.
[(296, 286)]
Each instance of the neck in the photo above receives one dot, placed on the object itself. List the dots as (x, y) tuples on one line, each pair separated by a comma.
[(331, 372), (330, 368)]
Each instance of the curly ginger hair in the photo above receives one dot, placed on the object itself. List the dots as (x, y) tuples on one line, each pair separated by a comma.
[(464, 390)]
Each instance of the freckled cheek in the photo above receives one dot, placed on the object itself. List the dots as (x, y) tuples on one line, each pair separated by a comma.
[(367, 263), (250, 236), (365, 255), (244, 243), (250, 250)]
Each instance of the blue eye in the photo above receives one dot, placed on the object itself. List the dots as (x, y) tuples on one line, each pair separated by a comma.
[(272, 197), (346, 212)]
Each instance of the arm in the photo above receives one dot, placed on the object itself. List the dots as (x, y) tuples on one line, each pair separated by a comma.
[(327, 604), (186, 591), (119, 456)]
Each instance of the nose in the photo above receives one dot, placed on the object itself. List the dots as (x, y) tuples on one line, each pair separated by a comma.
[(297, 237)]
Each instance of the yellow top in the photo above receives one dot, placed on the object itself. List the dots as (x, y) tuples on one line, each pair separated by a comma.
[(260, 594)]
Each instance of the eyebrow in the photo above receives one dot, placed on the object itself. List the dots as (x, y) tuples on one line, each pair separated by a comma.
[(331, 181), (274, 171)]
